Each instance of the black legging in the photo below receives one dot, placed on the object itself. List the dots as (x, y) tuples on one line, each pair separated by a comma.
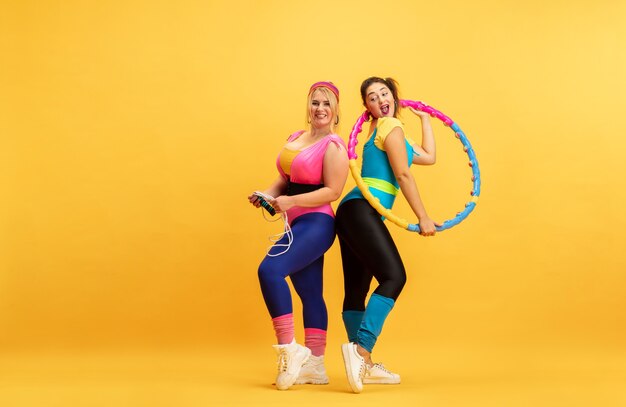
[(367, 250)]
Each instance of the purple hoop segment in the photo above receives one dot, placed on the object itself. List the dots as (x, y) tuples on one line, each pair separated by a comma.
[(467, 147)]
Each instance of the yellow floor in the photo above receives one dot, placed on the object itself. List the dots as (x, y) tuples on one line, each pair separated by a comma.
[(242, 376)]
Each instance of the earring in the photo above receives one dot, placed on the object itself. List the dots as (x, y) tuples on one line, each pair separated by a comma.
[(337, 121)]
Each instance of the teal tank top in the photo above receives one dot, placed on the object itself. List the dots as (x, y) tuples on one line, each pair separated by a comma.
[(377, 174)]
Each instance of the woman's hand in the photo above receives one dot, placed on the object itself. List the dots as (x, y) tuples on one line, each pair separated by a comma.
[(419, 113), (254, 200), (427, 226), (278, 187), (283, 203)]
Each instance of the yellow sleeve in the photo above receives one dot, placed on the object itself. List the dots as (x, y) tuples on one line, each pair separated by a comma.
[(383, 128)]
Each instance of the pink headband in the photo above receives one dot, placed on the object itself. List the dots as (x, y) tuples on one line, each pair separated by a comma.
[(328, 85)]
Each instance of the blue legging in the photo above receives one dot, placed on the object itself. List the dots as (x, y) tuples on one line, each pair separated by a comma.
[(313, 234)]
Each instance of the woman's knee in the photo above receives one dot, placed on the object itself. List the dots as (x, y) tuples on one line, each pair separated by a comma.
[(392, 286), (268, 273), (400, 282)]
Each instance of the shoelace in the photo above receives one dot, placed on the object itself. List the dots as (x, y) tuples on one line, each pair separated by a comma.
[(381, 367), (283, 359), (362, 369)]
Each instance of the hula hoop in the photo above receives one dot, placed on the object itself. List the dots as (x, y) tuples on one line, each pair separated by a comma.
[(467, 147)]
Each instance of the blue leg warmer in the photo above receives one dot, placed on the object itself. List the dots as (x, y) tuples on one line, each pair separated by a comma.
[(376, 312), (352, 321)]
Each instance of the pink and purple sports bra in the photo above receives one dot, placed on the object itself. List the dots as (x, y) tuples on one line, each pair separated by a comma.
[(303, 171)]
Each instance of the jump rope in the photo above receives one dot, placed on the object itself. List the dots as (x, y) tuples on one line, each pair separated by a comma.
[(263, 200)]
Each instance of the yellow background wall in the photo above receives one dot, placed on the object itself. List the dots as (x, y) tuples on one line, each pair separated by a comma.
[(131, 133)]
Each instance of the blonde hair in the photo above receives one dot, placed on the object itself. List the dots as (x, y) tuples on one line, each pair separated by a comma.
[(334, 107)]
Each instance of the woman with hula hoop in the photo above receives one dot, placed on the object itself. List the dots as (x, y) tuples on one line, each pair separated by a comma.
[(313, 167), (367, 249)]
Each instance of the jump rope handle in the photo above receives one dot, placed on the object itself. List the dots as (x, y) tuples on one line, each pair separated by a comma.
[(269, 208)]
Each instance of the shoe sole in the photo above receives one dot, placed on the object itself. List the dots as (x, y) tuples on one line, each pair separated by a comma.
[(381, 381), (312, 381), (345, 351)]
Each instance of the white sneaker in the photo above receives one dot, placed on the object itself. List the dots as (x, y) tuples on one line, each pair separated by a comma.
[(313, 371), (377, 374), (355, 366), (291, 357)]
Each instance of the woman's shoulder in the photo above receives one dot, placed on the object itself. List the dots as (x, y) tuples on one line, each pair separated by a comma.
[(388, 123), (335, 139), (384, 127)]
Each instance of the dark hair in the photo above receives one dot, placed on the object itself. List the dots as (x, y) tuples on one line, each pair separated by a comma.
[(388, 82)]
